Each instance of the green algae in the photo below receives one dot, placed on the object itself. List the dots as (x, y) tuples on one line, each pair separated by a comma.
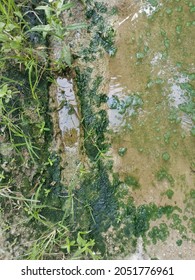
[(166, 156), (150, 212), (177, 224), (103, 35), (98, 192), (169, 193), (104, 197), (108, 203), (123, 105), (132, 181), (122, 151), (94, 125), (159, 233), (98, 201)]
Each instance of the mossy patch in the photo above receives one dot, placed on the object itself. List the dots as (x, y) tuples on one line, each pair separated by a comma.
[(159, 233), (163, 174), (169, 193), (132, 182)]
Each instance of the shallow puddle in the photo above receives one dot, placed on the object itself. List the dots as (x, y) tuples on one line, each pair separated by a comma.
[(68, 112), (69, 125), (151, 102)]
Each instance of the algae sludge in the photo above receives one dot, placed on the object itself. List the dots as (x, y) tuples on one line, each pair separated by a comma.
[(114, 176)]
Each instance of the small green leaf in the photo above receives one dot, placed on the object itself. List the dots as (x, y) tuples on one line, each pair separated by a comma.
[(45, 8), (2, 24), (3, 38), (66, 55), (81, 242), (68, 245), (75, 26), (42, 28), (10, 27), (3, 91), (67, 6)]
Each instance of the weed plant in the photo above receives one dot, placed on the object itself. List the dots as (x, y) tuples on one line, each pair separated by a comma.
[(57, 239)]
